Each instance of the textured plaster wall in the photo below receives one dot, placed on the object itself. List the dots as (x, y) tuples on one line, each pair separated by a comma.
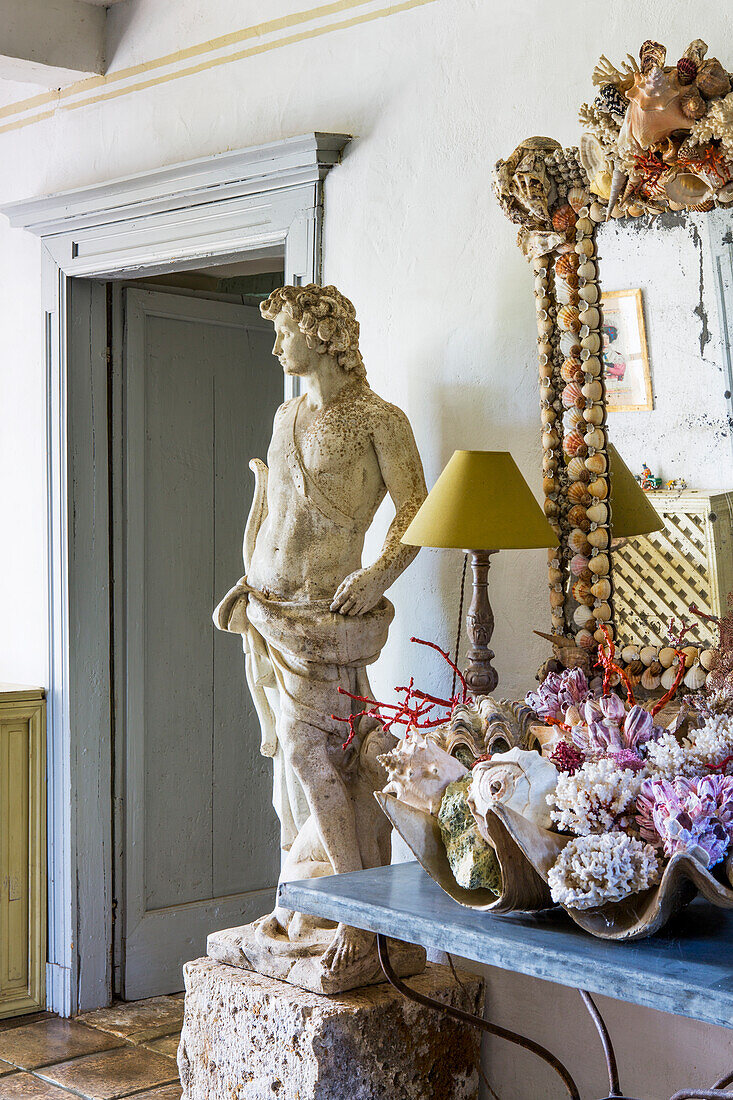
[(433, 95)]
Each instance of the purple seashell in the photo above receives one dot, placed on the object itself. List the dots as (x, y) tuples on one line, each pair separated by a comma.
[(638, 727), (557, 692), (593, 712), (605, 735), (612, 707), (689, 815)]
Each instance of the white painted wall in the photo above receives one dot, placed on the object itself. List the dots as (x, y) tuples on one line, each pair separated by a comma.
[(434, 95)]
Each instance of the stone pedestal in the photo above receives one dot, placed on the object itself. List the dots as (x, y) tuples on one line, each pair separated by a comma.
[(248, 1037)]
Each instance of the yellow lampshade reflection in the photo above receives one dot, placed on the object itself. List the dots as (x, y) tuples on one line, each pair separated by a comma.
[(480, 502), (632, 513)]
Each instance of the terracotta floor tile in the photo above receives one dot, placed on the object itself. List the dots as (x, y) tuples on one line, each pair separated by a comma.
[(167, 1092), (138, 1021), (50, 1041), (167, 1045), (113, 1073), (23, 1086), (5, 1067)]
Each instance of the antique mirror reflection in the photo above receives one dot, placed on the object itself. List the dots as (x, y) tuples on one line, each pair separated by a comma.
[(667, 312)]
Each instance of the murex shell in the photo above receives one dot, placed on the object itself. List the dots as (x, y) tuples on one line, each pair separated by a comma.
[(419, 771), (519, 779)]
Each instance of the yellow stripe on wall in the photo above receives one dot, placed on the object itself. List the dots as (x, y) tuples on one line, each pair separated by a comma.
[(58, 96)]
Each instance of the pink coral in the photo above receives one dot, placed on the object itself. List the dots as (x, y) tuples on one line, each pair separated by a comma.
[(567, 758), (688, 815)]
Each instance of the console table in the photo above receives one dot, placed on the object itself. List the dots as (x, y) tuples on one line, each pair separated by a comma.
[(687, 969)]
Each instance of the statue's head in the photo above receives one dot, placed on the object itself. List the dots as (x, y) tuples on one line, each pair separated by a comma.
[(311, 321)]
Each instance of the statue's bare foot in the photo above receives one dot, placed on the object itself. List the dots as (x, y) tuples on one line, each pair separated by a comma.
[(348, 947), (270, 928)]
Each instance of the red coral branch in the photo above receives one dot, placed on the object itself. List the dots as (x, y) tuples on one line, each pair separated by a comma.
[(673, 690), (610, 666), (412, 711)]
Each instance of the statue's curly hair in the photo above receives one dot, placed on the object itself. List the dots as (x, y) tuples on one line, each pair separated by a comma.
[(326, 318)]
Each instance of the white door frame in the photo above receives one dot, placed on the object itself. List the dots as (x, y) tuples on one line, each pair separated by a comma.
[(182, 217)]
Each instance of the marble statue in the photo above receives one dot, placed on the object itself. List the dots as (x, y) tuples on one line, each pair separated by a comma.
[(312, 618)]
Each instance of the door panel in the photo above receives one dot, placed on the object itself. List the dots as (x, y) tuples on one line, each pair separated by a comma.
[(200, 387)]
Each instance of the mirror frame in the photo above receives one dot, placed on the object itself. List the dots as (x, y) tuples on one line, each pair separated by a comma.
[(547, 191)]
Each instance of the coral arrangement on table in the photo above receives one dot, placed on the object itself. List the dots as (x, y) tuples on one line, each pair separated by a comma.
[(621, 811)]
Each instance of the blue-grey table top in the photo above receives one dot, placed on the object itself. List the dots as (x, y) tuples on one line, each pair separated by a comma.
[(687, 969)]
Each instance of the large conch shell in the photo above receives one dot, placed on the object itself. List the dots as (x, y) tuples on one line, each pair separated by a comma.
[(419, 771), (654, 112), (519, 779)]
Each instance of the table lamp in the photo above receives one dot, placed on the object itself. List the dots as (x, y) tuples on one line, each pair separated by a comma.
[(480, 500), (632, 513)]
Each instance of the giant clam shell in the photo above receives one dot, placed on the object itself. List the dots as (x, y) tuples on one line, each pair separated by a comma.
[(507, 724)]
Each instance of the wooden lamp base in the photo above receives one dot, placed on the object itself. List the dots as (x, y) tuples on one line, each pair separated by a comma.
[(481, 676)]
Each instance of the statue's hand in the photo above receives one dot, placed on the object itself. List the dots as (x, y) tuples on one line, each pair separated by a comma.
[(359, 592)]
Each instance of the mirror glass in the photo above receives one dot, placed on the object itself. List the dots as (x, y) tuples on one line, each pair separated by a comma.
[(668, 321)]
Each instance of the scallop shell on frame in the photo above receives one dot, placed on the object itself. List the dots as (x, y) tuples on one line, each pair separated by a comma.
[(578, 564), (578, 197), (568, 318), (598, 488), (578, 493), (574, 444), (571, 370), (573, 395), (567, 264), (578, 517), (695, 678), (578, 542)]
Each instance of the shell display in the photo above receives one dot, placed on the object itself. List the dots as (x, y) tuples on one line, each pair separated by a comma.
[(578, 197), (695, 678), (600, 565), (594, 414), (598, 513), (520, 780), (597, 463), (598, 488), (419, 771), (598, 538), (590, 316), (687, 189), (654, 110), (601, 589), (582, 617)]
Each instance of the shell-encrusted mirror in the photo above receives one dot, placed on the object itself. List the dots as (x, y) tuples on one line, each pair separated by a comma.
[(656, 138)]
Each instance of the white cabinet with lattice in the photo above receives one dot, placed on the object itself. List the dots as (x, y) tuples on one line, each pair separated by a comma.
[(656, 577)]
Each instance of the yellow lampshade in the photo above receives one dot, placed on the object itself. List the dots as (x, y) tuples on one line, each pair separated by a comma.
[(480, 502), (632, 513)]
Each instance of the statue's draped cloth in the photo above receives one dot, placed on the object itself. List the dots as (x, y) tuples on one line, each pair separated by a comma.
[(297, 656)]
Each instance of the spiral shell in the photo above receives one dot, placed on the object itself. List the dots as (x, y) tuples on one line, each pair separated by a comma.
[(574, 444), (571, 370), (567, 264), (568, 318), (578, 542), (573, 395), (564, 218)]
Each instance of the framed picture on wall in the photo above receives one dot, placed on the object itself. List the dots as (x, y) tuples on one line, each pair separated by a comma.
[(625, 357)]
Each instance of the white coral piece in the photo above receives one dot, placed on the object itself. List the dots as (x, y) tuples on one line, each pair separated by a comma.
[(596, 870), (601, 124), (717, 124), (600, 796), (703, 748)]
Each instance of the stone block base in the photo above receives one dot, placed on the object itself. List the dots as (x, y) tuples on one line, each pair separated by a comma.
[(248, 1037)]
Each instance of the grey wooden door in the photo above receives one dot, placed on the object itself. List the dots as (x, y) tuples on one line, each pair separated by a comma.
[(199, 389)]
